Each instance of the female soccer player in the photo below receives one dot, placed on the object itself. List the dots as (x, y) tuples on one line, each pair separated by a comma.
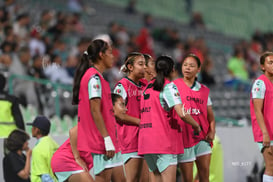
[(149, 67), (130, 88), (197, 103), (158, 135), (66, 162), (261, 107), (96, 122)]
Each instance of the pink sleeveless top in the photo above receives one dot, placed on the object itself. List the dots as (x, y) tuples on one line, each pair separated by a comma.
[(89, 137), (128, 134), (158, 132), (267, 112), (195, 103), (176, 125), (63, 159)]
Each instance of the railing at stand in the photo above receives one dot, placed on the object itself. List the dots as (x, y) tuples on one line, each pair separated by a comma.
[(55, 87)]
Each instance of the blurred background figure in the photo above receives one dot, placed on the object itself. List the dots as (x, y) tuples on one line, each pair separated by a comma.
[(189, 4), (44, 149), (16, 164), (10, 114), (25, 90), (131, 7), (197, 21), (144, 40), (238, 72), (206, 75)]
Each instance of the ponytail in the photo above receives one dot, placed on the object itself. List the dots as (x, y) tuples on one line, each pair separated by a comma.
[(159, 81), (123, 69), (92, 54), (164, 67), (80, 70)]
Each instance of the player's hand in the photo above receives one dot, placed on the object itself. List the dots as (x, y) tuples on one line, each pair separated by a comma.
[(266, 140), (110, 154), (271, 150), (28, 152), (109, 147), (81, 163), (197, 129), (210, 136)]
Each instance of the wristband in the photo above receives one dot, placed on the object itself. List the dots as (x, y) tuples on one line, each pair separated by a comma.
[(108, 144)]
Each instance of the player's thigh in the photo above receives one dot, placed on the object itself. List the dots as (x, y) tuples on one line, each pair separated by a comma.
[(81, 177)]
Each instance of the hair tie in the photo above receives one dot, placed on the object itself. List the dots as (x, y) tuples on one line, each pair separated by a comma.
[(122, 68)]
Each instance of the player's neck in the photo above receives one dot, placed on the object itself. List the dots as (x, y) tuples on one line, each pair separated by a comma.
[(134, 79), (269, 76), (99, 67), (19, 152), (39, 136), (189, 82)]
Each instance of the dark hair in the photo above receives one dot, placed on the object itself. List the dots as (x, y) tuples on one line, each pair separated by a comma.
[(237, 50), (6, 44), (36, 57), (45, 12), (147, 58), (43, 132), (194, 57), (16, 140), (54, 57), (92, 54), (21, 16), (130, 59), (164, 67), (146, 17), (23, 50), (264, 56), (2, 82), (115, 97), (7, 30)]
